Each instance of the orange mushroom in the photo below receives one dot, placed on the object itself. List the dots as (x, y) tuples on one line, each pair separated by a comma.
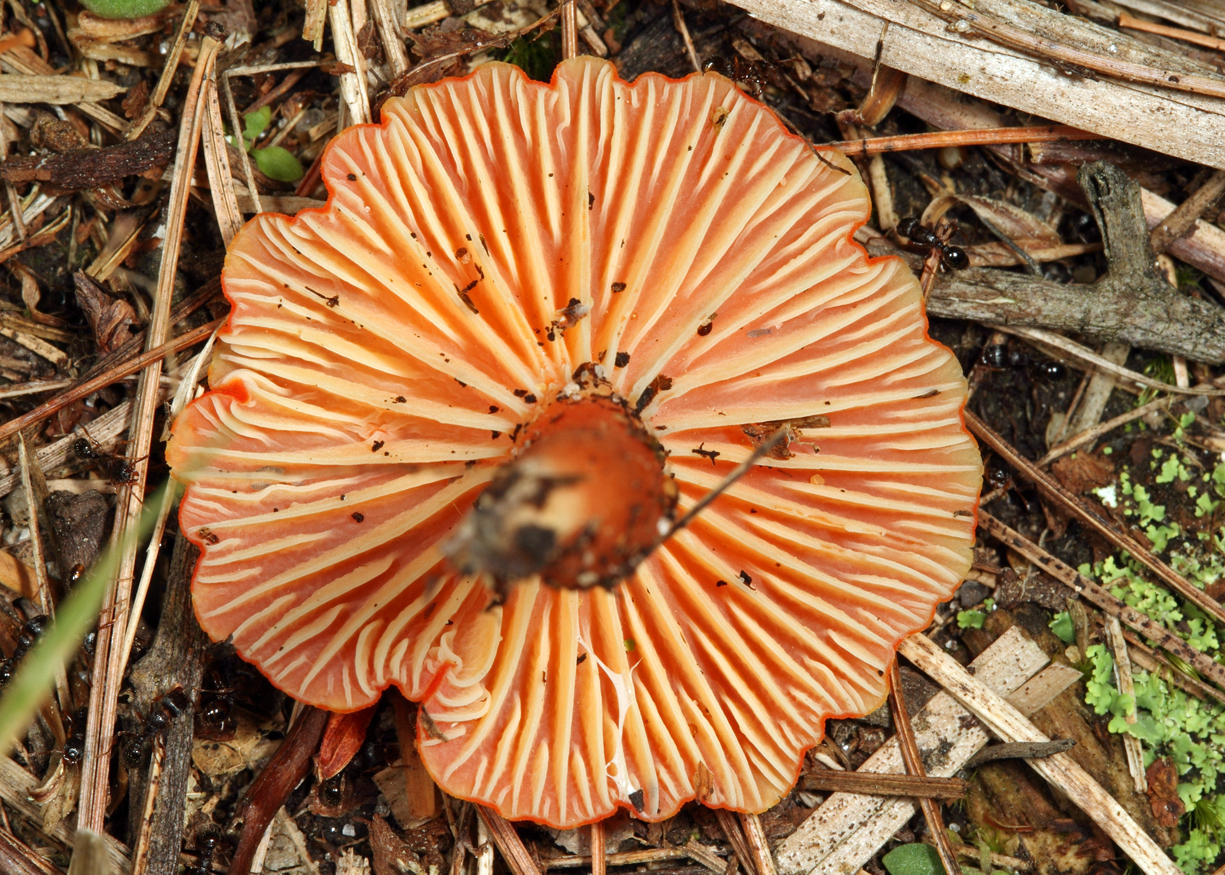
[(457, 411)]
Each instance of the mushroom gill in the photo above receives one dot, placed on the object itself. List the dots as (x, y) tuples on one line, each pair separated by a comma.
[(492, 251)]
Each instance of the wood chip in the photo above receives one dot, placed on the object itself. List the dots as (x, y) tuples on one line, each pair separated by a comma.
[(949, 43), (21, 88)]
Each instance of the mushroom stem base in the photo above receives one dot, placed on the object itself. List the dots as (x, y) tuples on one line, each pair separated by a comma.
[(582, 502)]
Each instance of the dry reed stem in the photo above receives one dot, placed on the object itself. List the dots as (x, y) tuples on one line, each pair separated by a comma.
[(109, 657)]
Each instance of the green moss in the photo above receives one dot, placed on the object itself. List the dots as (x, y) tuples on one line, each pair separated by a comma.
[(1170, 723)]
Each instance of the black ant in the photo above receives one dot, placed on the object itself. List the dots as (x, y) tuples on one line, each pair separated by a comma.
[(116, 468), (31, 631), (216, 716), (924, 240), (165, 709), (74, 745), (206, 848), (1000, 357)]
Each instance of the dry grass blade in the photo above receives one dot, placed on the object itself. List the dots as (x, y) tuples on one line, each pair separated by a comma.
[(1060, 770), (109, 657), (217, 164)]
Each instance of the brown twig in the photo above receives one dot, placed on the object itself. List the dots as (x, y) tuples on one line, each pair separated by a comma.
[(1182, 220), (599, 863), (287, 767), (972, 137), (106, 378), (914, 766), (759, 847), (508, 842), (735, 838), (1092, 515), (1131, 22), (882, 784)]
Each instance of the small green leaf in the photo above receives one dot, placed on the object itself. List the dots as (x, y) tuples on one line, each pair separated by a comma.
[(255, 123), (1063, 627), (279, 164), (916, 859), (124, 8), (970, 619)]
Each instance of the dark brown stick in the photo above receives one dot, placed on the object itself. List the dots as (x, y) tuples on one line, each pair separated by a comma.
[(269, 791), (914, 766)]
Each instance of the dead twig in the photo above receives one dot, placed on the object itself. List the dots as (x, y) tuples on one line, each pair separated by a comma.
[(1092, 592), (914, 766), (869, 146), (279, 776)]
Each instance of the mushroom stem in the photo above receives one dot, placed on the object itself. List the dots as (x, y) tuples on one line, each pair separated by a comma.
[(584, 499)]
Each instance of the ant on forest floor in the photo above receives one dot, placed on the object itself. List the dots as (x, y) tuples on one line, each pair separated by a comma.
[(30, 632), (1001, 357), (74, 744), (917, 237), (118, 469), (207, 841), (925, 241), (164, 709)]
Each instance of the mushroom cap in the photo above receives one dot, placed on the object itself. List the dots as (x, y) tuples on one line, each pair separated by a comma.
[(489, 238)]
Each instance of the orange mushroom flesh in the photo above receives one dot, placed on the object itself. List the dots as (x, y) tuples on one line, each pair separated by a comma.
[(454, 410)]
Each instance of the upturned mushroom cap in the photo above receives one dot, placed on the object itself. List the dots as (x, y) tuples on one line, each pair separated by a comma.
[(386, 354)]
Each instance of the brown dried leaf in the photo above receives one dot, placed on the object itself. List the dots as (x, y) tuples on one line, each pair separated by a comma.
[(1163, 793), (1082, 472), (112, 319), (342, 739), (16, 575), (1011, 221), (31, 294)]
